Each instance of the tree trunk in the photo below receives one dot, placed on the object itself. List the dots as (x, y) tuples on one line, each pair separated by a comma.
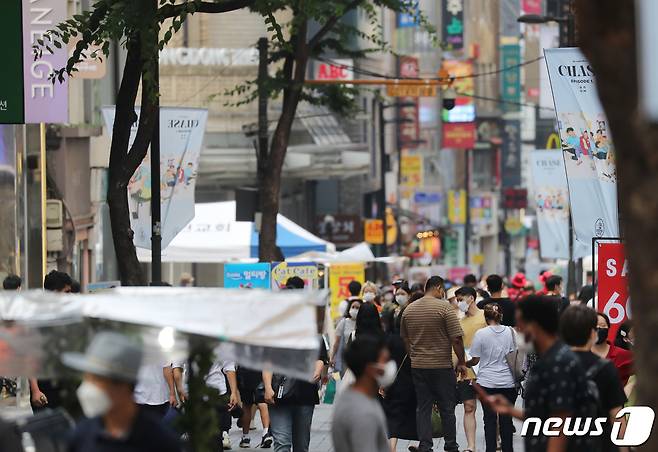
[(606, 30), (130, 271), (269, 186)]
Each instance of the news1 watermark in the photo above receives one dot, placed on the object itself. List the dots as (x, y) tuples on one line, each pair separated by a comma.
[(639, 423)]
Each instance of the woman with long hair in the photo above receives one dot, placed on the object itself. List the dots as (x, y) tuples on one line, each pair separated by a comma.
[(346, 325)]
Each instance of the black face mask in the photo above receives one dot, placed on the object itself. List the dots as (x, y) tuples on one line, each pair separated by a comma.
[(603, 335)]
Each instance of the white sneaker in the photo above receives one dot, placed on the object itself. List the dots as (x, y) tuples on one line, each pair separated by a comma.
[(226, 441)]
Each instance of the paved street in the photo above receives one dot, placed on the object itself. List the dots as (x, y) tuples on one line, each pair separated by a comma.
[(321, 434)]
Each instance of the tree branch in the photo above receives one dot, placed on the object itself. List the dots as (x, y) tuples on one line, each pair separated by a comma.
[(331, 23), (169, 11), (100, 11)]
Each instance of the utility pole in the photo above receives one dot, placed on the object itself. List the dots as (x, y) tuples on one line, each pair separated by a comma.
[(381, 199), (467, 194), (263, 141)]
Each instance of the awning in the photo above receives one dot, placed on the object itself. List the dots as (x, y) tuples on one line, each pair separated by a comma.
[(214, 236)]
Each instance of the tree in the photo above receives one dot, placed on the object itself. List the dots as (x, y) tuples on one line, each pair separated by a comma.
[(291, 49), (607, 36), (138, 25)]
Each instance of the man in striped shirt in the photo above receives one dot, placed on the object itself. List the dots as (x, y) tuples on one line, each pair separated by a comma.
[(431, 331)]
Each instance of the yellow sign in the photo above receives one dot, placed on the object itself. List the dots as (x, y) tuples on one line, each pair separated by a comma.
[(391, 227), (411, 90), (478, 259), (340, 275), (281, 271), (457, 206), (374, 232), (513, 226), (411, 170), (553, 141)]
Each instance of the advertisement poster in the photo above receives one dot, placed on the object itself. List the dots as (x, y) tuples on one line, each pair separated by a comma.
[(340, 275), (457, 206), (181, 139), (458, 135), (551, 202), (587, 147), (247, 276), (411, 170), (464, 84), (511, 158), (510, 58), (613, 298), (281, 271)]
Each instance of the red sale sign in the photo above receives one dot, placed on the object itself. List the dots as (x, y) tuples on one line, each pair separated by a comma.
[(613, 298)]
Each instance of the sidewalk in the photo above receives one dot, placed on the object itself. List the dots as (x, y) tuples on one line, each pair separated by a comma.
[(321, 433)]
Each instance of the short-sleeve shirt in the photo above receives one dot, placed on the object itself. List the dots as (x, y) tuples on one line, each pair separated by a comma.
[(470, 325), (146, 435), (151, 387), (623, 361), (359, 424), (491, 344), (216, 377), (428, 326), (557, 384)]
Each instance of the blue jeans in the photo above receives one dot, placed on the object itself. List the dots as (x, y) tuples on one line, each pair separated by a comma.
[(290, 426)]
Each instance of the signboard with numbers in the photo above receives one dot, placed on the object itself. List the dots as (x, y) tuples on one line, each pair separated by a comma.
[(613, 298)]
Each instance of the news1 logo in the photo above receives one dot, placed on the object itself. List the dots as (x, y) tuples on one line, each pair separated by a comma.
[(639, 423)]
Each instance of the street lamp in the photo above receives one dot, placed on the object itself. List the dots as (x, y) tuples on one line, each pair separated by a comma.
[(567, 20)]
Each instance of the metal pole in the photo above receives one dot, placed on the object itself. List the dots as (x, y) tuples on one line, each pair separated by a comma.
[(381, 201), (263, 141), (42, 171), (467, 191), (156, 225)]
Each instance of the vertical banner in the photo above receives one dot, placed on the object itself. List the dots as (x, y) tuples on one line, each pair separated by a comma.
[(511, 150), (452, 26), (181, 139), (457, 206), (613, 299), (11, 75), (247, 276), (551, 201), (409, 130), (281, 271), (44, 101), (589, 154), (510, 59), (411, 170), (340, 275)]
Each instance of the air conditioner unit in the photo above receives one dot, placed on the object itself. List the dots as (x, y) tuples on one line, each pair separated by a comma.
[(54, 214)]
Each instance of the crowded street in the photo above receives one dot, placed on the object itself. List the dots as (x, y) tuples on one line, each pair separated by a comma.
[(328, 225)]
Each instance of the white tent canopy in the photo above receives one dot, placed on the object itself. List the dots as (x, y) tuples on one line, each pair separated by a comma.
[(213, 236)]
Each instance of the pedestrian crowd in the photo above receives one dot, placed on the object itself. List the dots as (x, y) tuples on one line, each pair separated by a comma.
[(403, 357)]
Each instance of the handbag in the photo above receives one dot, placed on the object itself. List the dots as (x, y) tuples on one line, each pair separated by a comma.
[(515, 361)]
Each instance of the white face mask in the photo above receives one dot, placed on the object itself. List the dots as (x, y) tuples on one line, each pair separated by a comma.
[(93, 400), (354, 313), (402, 300), (463, 306), (388, 377), (369, 296)]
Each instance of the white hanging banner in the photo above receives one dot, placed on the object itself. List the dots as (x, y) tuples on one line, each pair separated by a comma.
[(181, 140), (551, 202), (589, 154)]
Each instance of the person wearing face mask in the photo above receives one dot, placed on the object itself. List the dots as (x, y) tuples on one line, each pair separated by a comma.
[(391, 314), (431, 331), (358, 422), (114, 421), (399, 400), (344, 329), (622, 359), (370, 294), (557, 386), (472, 321)]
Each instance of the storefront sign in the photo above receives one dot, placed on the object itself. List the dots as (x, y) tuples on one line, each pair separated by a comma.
[(247, 276), (339, 69), (282, 271), (453, 24), (488, 132), (458, 135), (464, 84), (184, 56), (457, 206), (374, 231), (88, 67), (11, 75), (532, 7), (482, 208), (411, 170), (510, 58), (511, 153), (408, 131), (613, 298), (339, 229), (340, 276), (411, 90)]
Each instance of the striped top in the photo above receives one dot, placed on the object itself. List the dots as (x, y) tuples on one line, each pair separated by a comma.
[(428, 327)]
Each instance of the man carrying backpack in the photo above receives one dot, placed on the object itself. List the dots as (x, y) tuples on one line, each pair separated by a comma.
[(578, 330), (557, 386)]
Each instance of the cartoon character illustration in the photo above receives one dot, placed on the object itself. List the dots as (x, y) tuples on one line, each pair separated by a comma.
[(189, 173), (139, 187)]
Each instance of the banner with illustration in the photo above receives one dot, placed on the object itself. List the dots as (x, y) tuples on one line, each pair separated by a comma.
[(281, 271), (340, 275), (588, 151), (551, 202), (247, 276), (181, 139)]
